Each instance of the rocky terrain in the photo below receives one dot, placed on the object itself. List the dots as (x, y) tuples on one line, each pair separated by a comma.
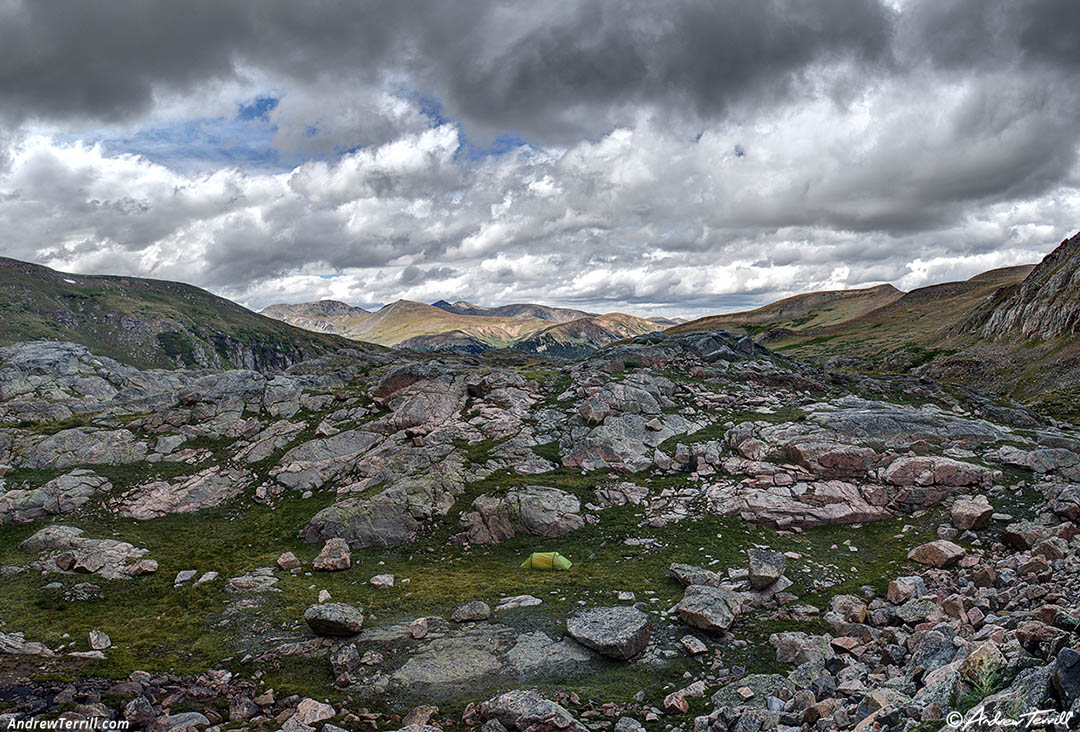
[(757, 544), (1045, 305)]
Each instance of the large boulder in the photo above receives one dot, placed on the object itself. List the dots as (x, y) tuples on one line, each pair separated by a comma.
[(797, 647), (535, 510), (335, 555), (982, 661), (766, 567), (932, 649), (618, 632), (940, 553), (471, 611), (423, 483), (903, 589), (308, 713), (334, 619), (971, 513), (1066, 678), (1023, 534), (525, 711), (709, 608)]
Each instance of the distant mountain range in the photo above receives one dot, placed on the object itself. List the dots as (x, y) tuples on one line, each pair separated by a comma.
[(523, 310), (1011, 330), (465, 327), (148, 323)]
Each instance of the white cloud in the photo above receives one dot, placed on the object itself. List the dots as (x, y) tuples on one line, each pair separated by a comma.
[(913, 179)]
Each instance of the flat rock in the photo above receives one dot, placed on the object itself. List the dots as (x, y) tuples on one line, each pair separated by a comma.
[(59, 496), (181, 721), (205, 489), (760, 686), (939, 553), (688, 574), (617, 632), (525, 711), (471, 611), (693, 645), (797, 647), (451, 660), (16, 645), (512, 603), (709, 608), (67, 550), (334, 619)]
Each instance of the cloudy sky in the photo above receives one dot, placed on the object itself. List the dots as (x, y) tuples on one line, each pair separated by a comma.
[(675, 158)]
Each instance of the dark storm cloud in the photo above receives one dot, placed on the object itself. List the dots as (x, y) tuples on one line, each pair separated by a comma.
[(104, 60), (604, 57), (541, 70), (979, 34)]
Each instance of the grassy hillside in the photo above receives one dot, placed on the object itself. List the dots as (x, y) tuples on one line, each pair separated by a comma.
[(904, 334), (800, 312), (943, 331), (146, 323)]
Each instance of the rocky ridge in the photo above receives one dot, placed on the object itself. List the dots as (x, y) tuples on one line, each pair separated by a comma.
[(1045, 305)]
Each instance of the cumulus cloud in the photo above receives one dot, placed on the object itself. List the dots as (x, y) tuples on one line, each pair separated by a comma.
[(679, 158)]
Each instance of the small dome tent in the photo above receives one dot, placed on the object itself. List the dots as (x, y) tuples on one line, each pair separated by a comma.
[(546, 560)]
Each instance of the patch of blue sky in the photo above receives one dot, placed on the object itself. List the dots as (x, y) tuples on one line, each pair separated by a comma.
[(203, 144), (260, 109), (245, 141)]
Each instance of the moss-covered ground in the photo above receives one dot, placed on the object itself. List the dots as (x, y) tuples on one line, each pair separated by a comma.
[(159, 628)]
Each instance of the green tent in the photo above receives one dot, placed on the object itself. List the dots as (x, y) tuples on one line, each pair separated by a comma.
[(546, 560)]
